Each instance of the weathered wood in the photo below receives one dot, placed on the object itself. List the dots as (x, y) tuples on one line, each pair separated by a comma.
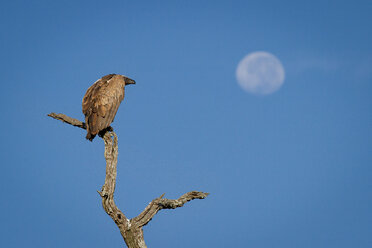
[(131, 230), (68, 120)]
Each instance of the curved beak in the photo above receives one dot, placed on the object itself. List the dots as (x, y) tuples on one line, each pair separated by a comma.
[(130, 81)]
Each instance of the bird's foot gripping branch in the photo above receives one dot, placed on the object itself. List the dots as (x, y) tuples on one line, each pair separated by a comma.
[(130, 229)]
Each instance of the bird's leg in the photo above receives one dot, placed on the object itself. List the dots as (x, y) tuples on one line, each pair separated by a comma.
[(107, 129)]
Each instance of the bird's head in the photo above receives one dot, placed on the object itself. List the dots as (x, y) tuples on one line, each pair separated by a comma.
[(128, 80)]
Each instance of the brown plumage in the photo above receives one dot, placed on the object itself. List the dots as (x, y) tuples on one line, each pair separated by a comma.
[(101, 102)]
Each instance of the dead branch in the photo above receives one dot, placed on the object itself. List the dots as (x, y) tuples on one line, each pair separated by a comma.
[(68, 120), (161, 203), (131, 230)]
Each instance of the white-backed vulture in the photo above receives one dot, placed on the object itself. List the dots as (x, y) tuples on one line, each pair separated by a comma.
[(101, 102)]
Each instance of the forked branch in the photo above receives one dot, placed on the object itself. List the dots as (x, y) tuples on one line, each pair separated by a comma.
[(131, 230)]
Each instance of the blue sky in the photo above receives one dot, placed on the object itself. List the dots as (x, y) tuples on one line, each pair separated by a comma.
[(291, 169)]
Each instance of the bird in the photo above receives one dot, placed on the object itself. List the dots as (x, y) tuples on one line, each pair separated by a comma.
[(101, 102)]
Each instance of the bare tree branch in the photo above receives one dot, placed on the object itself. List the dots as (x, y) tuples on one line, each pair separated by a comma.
[(108, 189), (68, 120), (131, 230), (161, 203)]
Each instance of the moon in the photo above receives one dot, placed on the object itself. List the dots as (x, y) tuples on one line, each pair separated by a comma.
[(260, 73)]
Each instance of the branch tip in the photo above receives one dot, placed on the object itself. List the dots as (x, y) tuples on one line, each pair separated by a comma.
[(68, 120)]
